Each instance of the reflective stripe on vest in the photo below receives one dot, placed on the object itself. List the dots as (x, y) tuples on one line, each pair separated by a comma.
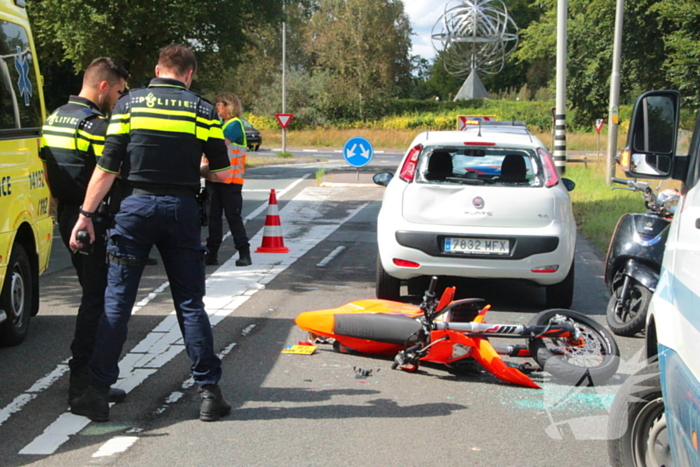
[(236, 119), (237, 155)]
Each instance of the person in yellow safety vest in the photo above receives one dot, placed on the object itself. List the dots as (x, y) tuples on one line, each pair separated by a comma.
[(226, 198)]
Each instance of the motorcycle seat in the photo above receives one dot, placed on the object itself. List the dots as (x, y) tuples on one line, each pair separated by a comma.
[(378, 327)]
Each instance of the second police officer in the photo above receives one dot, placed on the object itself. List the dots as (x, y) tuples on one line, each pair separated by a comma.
[(155, 140), (72, 142)]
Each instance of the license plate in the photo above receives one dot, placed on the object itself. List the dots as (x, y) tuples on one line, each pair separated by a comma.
[(477, 246)]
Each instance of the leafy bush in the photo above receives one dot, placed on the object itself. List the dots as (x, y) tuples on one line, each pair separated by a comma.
[(407, 114)]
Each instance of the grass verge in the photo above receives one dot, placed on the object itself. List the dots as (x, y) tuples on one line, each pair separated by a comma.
[(597, 207), (401, 139)]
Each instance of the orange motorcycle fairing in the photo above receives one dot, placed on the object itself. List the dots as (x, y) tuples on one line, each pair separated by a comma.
[(481, 350), (379, 327)]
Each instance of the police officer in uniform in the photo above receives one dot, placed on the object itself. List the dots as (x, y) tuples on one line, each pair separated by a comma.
[(155, 140), (72, 141)]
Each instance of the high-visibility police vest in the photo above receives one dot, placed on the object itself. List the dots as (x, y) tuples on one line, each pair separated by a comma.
[(69, 148), (237, 155)]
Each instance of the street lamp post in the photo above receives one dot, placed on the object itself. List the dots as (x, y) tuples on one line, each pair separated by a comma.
[(613, 117)]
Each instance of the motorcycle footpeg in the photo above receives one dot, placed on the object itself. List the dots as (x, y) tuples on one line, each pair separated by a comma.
[(527, 368)]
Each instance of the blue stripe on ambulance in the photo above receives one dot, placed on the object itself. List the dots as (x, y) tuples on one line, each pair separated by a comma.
[(681, 390)]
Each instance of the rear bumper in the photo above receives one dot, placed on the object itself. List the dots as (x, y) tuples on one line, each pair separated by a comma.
[(550, 246)]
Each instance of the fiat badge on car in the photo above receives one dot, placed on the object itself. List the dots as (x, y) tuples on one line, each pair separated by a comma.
[(478, 202)]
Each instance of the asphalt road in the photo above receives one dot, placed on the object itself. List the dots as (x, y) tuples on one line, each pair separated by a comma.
[(323, 409)]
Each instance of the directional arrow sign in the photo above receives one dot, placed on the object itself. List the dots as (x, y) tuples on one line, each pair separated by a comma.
[(358, 151), (284, 120)]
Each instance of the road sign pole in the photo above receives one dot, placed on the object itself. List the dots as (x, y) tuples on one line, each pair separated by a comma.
[(284, 82)]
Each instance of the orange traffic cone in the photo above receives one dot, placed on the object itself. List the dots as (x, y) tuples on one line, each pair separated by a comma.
[(272, 241)]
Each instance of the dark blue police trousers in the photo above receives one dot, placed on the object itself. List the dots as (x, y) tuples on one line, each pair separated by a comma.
[(172, 224), (91, 268)]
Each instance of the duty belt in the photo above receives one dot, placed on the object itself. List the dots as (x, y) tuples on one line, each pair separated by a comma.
[(128, 261), (156, 190)]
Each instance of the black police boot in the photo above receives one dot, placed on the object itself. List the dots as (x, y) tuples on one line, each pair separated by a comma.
[(214, 405), (79, 382), (93, 404), (211, 258), (244, 256)]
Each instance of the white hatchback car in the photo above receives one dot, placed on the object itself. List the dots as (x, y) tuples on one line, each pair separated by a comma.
[(487, 202)]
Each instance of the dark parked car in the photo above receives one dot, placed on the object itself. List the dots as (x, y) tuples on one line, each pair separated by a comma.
[(252, 135)]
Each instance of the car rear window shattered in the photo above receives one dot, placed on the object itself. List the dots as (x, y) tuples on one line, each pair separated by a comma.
[(482, 166)]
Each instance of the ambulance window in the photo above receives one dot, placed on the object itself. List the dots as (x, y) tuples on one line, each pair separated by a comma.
[(19, 92)]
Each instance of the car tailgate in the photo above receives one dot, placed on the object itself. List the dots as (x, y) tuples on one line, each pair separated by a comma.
[(458, 205)]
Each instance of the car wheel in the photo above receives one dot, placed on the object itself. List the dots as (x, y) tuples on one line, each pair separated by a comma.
[(637, 431), (257, 147), (16, 297), (561, 295), (388, 287)]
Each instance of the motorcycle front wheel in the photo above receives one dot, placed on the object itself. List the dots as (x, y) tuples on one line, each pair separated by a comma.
[(629, 317), (589, 362)]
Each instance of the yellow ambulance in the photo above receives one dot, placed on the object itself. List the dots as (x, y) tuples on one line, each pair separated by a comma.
[(26, 226)]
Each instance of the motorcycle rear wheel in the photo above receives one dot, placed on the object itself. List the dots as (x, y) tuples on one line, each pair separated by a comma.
[(628, 318), (588, 364)]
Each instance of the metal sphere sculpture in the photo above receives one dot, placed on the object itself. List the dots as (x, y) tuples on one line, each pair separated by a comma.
[(473, 36)]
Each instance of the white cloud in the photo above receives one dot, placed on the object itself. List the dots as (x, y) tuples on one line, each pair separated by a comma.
[(423, 15)]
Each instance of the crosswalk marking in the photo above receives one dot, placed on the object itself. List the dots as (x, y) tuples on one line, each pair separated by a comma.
[(305, 224)]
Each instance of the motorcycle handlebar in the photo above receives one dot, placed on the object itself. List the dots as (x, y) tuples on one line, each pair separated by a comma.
[(433, 285)]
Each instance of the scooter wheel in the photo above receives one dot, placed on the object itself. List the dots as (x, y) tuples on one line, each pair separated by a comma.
[(628, 318), (588, 363)]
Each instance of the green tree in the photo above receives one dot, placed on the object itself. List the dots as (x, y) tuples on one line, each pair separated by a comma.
[(132, 32), (364, 45), (589, 54), (257, 79), (681, 20)]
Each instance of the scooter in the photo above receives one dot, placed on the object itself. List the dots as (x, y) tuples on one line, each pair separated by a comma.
[(633, 261), (569, 345)]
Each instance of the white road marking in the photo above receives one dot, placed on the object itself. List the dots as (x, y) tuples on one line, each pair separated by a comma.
[(329, 258), (31, 393), (115, 446), (43, 383), (305, 225)]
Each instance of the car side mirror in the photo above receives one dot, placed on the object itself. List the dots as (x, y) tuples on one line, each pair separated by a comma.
[(383, 178), (651, 143), (568, 183)]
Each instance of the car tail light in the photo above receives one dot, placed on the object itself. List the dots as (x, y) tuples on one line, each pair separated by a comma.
[(551, 176), (405, 264), (547, 269), (479, 143), (408, 171)]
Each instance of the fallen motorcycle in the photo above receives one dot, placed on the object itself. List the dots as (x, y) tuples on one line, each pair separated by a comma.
[(569, 345)]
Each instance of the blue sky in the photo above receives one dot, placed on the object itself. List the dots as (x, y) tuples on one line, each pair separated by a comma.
[(423, 15)]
